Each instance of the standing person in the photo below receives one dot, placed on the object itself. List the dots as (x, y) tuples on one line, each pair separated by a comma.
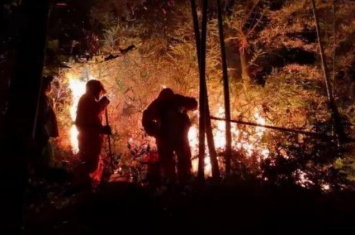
[(47, 128), (166, 119), (91, 130)]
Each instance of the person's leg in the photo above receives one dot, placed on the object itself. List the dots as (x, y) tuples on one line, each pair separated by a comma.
[(96, 175), (81, 173), (39, 162), (90, 146), (153, 173), (183, 153), (49, 153), (87, 173), (166, 158), (91, 162)]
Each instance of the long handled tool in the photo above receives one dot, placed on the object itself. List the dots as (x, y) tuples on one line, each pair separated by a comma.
[(109, 141)]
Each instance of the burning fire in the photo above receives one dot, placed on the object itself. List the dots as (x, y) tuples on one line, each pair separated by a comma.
[(77, 87), (246, 141), (241, 140)]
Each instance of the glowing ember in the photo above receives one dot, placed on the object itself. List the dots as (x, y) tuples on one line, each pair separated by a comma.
[(325, 187), (302, 178)]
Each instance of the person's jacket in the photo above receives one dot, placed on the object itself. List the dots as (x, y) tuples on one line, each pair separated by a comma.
[(47, 125), (89, 115), (168, 117)]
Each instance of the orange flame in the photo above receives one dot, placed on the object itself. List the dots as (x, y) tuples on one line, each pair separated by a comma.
[(77, 88), (241, 140)]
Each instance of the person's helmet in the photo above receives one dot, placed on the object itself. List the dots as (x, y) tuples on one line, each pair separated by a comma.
[(95, 87), (166, 94)]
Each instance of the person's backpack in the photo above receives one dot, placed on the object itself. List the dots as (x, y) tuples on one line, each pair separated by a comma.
[(151, 127)]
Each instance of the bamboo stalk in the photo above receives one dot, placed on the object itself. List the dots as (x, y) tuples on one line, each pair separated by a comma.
[(228, 153), (274, 127), (202, 120), (204, 117), (338, 127), (200, 59)]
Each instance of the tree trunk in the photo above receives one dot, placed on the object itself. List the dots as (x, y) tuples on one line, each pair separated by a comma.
[(228, 153), (244, 68), (201, 56), (202, 120), (339, 132), (210, 143), (21, 112)]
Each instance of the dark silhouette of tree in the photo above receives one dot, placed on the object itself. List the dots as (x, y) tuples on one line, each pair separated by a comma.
[(20, 116)]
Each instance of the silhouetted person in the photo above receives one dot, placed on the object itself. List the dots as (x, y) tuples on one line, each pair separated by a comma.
[(47, 128), (166, 119), (91, 130)]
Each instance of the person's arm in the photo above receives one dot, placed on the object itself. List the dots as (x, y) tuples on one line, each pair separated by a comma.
[(103, 103), (187, 103)]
